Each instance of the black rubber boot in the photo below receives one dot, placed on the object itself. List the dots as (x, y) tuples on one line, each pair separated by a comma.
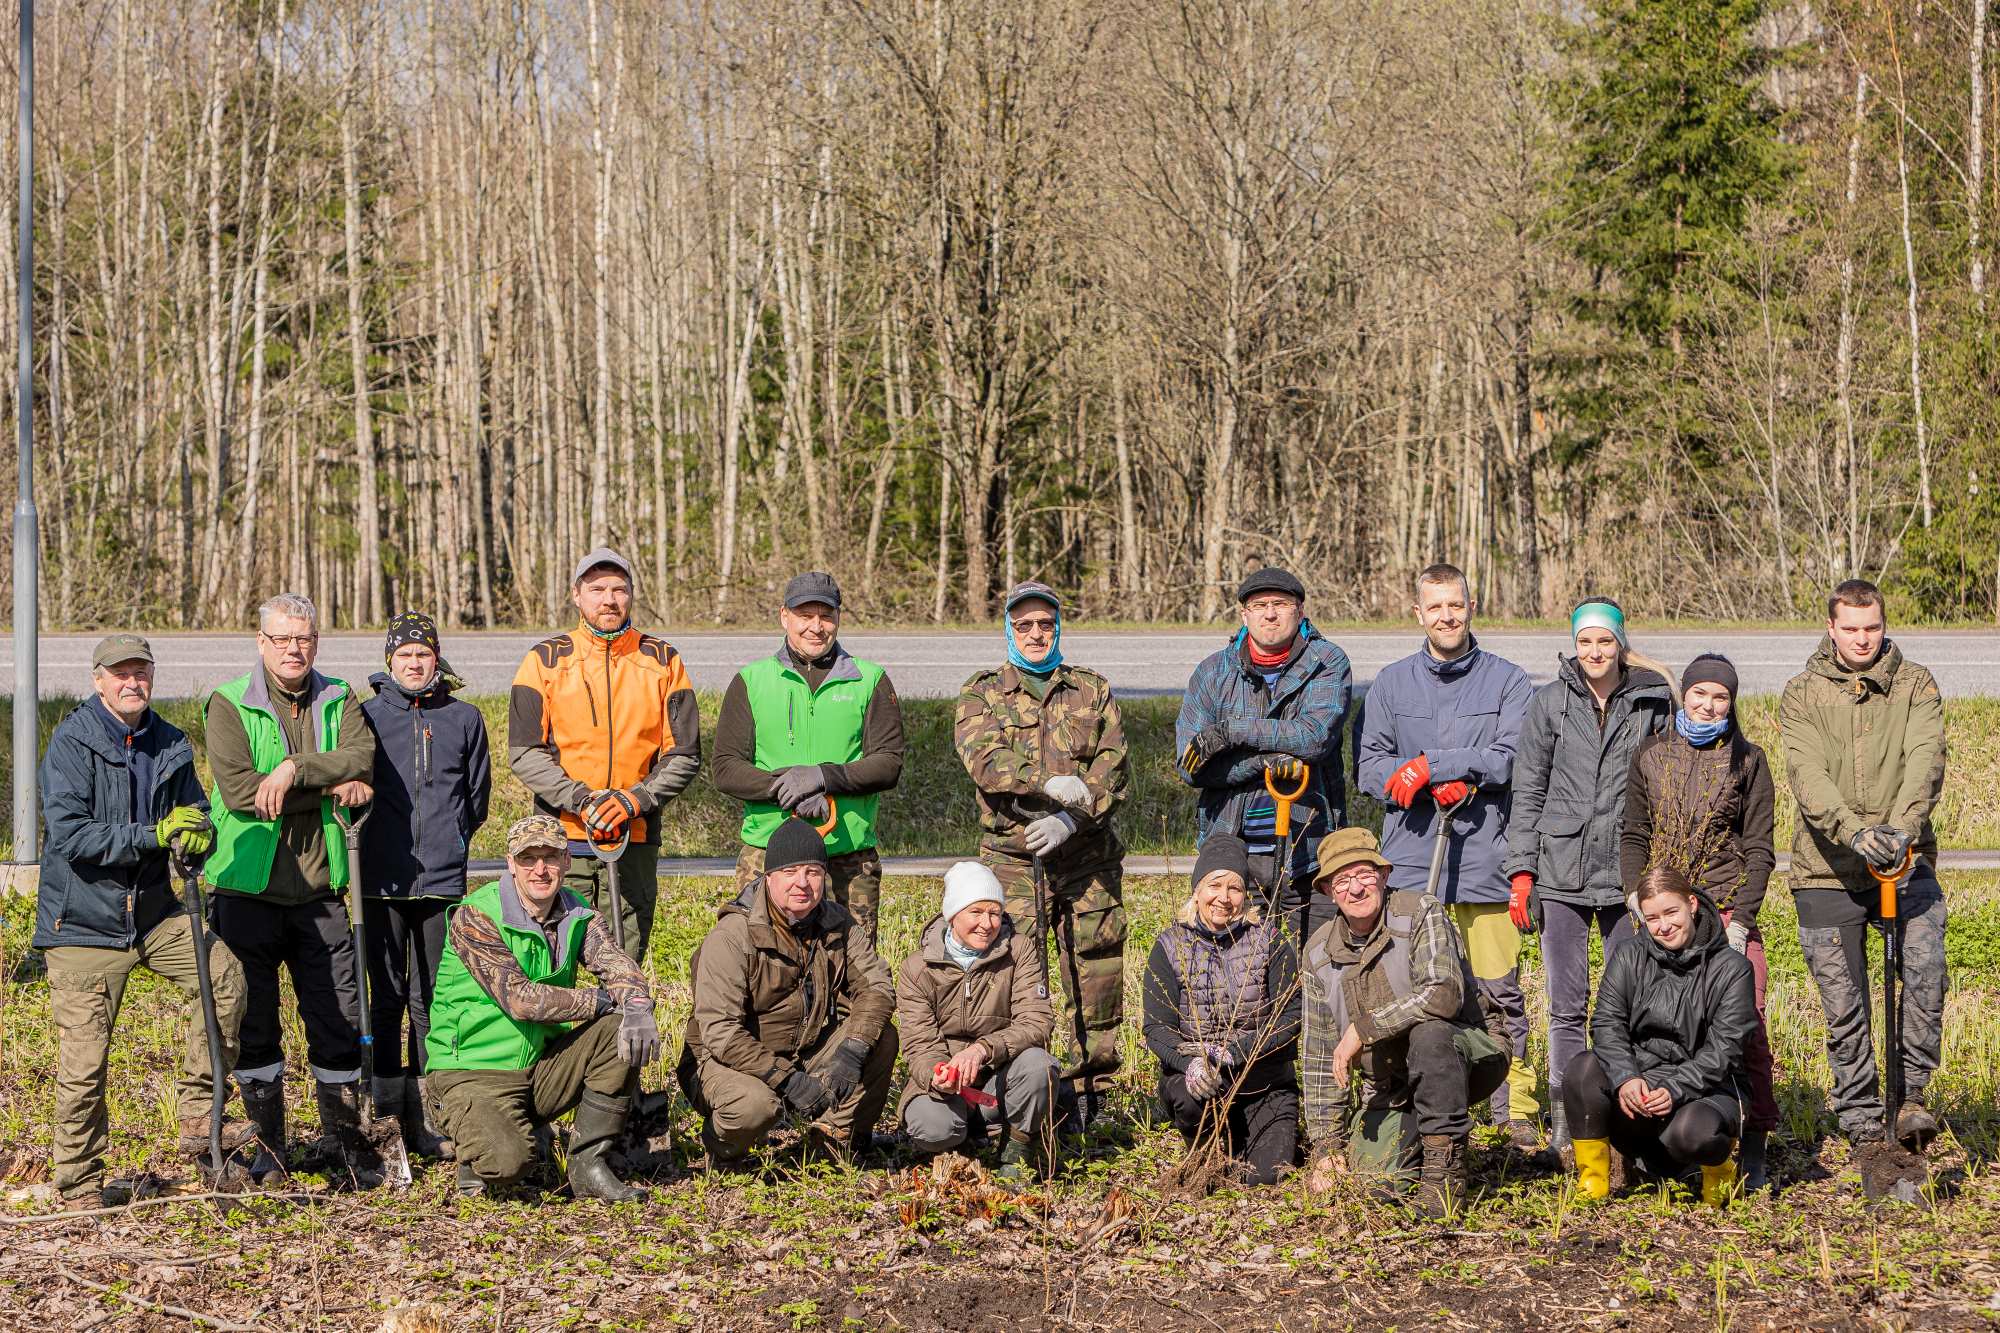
[(471, 1185), (1750, 1160), (599, 1121), (420, 1136), (264, 1104), (343, 1150)]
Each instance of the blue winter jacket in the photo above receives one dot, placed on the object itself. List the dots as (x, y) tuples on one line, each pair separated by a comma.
[(433, 781), (1465, 716), (104, 874), (1301, 718)]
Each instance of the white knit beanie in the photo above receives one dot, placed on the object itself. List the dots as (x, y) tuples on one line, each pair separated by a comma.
[(967, 883)]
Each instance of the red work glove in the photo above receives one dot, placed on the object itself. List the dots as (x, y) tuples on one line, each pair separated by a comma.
[(1448, 794), (605, 818), (1517, 901), (1407, 781), (945, 1077)]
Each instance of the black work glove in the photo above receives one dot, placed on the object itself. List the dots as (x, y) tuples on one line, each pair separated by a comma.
[(845, 1070), (803, 1093), (793, 785), (1210, 741), (812, 809), (1881, 845)]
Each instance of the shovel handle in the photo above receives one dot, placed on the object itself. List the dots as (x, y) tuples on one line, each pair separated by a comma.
[(832, 818), (1284, 799), (1889, 879), (611, 851), (350, 822)]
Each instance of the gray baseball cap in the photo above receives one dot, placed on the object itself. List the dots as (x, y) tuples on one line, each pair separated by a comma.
[(116, 648), (812, 586), (602, 555)]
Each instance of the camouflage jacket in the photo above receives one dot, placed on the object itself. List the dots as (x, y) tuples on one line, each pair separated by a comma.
[(477, 940), (1011, 743)]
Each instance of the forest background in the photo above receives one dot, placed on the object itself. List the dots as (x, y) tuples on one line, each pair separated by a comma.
[(406, 304)]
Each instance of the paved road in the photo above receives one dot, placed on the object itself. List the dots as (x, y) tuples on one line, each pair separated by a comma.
[(934, 664)]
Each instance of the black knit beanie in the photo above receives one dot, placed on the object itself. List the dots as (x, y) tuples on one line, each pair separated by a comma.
[(1221, 851), (1710, 669), (796, 843)]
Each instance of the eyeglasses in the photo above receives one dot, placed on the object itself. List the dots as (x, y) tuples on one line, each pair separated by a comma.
[(1041, 624), (1353, 881), (282, 641), (1269, 604)]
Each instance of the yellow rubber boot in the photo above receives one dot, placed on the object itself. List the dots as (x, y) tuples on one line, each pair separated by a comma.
[(1718, 1183), (1593, 1167)]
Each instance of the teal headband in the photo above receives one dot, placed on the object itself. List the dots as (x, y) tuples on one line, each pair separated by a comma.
[(1598, 615)]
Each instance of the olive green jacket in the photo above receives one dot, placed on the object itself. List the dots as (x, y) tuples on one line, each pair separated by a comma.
[(1861, 747)]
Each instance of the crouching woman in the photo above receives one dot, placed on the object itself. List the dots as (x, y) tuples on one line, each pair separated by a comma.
[(1222, 1016), (975, 1022), (1663, 1079)]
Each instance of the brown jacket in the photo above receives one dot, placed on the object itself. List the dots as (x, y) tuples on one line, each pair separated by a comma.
[(765, 993), (1707, 813), (942, 1008)]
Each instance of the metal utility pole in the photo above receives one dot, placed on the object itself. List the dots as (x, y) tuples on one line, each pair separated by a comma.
[(27, 615)]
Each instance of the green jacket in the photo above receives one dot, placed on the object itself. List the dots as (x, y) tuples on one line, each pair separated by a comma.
[(796, 724), (1861, 747), (469, 1029), (247, 738)]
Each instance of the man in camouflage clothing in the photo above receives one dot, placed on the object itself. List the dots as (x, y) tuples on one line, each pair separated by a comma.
[(1042, 742)]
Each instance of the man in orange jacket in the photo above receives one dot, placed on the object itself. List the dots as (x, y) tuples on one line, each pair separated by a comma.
[(602, 729)]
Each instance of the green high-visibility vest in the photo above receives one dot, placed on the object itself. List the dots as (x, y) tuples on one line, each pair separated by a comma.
[(798, 725), (469, 1030), (245, 845)]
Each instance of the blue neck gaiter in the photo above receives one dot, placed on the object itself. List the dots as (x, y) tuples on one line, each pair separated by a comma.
[(1699, 733), (1047, 664)]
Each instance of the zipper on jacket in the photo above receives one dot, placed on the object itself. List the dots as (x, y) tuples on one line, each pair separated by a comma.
[(610, 731), (421, 745)]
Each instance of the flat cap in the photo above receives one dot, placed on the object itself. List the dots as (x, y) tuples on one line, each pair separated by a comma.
[(535, 831), (115, 648), (812, 586), (602, 555), (1270, 579)]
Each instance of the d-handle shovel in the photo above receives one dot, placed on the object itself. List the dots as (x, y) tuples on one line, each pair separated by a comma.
[(218, 1078), (1282, 826), (1444, 838), (1890, 882), (395, 1156), (609, 853)]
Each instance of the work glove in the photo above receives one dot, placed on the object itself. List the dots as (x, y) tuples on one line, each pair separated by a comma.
[(1067, 789), (803, 1093), (1284, 772), (812, 809), (1448, 794), (1407, 781), (638, 1034), (1523, 884), (1210, 741), (1881, 845), (187, 827), (607, 813), (843, 1072), (1048, 833), (793, 785), (1739, 936)]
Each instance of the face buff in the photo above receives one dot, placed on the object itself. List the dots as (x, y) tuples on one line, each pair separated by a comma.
[(1047, 664), (1700, 733)]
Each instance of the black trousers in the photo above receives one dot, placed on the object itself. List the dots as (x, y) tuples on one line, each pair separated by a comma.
[(1697, 1133), (311, 942), (1262, 1123), (405, 941)]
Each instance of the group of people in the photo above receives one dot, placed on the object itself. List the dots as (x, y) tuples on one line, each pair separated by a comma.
[(1318, 990)]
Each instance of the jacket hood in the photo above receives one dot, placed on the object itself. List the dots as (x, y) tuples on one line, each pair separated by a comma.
[(389, 688), (1709, 937), (932, 944), (1639, 682), (1457, 666), (1878, 675)]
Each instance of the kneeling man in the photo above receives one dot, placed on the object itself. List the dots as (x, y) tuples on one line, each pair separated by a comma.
[(791, 1012), (516, 1042)]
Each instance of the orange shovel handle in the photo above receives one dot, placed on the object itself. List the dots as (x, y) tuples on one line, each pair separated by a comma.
[(832, 818), (1284, 799), (1889, 879)]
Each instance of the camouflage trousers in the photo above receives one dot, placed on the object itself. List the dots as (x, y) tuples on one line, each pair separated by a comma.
[(1086, 914), (638, 892), (1837, 957), (853, 879)]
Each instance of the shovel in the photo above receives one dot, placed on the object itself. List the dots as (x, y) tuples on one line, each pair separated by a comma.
[(1892, 982), (1282, 826), (609, 853), (1444, 839), (190, 876), (395, 1156)]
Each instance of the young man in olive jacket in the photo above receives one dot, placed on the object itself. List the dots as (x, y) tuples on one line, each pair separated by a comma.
[(1864, 750), (119, 791)]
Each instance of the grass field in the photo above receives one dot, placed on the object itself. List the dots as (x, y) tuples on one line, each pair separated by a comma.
[(932, 812), (1115, 1242)]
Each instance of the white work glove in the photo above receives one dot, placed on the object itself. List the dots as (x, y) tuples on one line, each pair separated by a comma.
[(1739, 936), (1048, 833), (1068, 789)]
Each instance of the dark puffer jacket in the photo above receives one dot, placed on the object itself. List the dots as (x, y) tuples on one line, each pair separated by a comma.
[(1569, 782), (433, 780), (1237, 987), (1677, 1019)]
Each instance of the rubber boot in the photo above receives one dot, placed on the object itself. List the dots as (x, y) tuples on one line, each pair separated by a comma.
[(1718, 1184), (1750, 1160), (420, 1136), (1020, 1159), (599, 1121), (1441, 1185), (1558, 1123), (1593, 1167), (343, 1149), (471, 1185), (264, 1104)]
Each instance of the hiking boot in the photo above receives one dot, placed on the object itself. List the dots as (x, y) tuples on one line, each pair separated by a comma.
[(1441, 1186), (1020, 1160), (1915, 1125), (264, 1103), (599, 1121), (1523, 1137), (1750, 1160), (194, 1135), (420, 1138), (824, 1144), (720, 1158), (343, 1148)]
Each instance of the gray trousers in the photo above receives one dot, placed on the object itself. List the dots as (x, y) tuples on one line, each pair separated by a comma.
[(938, 1124), (1837, 957), (1566, 959)]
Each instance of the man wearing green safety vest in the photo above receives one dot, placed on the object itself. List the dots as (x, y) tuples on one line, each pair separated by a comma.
[(286, 745), (515, 1041), (810, 726)]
